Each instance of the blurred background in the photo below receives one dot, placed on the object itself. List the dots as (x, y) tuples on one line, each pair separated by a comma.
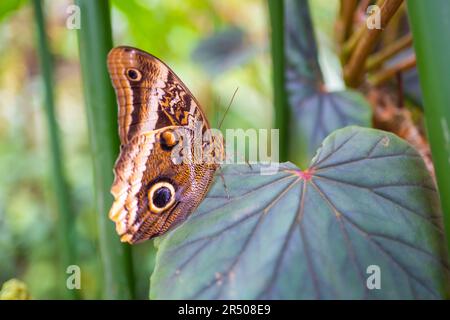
[(214, 46)]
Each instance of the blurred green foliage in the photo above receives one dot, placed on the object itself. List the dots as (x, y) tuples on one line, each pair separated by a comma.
[(8, 7)]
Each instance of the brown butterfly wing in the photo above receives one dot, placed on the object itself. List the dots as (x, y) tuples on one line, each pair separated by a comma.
[(152, 100)]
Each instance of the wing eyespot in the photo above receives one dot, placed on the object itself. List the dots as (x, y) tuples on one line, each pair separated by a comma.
[(168, 139), (133, 74), (161, 196)]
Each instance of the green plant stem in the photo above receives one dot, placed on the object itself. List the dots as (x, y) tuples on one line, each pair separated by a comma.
[(66, 232), (429, 23), (282, 112), (95, 41)]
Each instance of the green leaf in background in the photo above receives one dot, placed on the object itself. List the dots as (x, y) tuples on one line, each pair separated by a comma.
[(366, 200), (320, 114), (302, 65), (10, 6), (223, 50), (316, 112), (148, 28)]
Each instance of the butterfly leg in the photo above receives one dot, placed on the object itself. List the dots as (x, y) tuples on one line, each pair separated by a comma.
[(245, 159), (248, 163), (224, 184)]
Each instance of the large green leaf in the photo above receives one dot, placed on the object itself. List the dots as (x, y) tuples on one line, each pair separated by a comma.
[(316, 111), (366, 200)]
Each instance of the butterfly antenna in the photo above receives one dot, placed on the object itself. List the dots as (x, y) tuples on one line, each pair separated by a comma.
[(228, 108), (216, 107)]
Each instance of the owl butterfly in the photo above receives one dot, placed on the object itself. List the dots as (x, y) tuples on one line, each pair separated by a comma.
[(159, 120)]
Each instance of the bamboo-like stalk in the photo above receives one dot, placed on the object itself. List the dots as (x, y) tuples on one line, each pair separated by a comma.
[(393, 31), (350, 44), (361, 10), (377, 59), (66, 225), (359, 15), (95, 41), (386, 74), (282, 112), (354, 69), (344, 24), (429, 25)]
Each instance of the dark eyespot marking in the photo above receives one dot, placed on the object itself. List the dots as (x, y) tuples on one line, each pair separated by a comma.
[(133, 74), (161, 197)]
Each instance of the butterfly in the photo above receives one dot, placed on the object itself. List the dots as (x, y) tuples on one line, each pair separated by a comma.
[(153, 190)]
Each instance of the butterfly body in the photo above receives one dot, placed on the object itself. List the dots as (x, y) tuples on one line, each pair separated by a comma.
[(152, 191)]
